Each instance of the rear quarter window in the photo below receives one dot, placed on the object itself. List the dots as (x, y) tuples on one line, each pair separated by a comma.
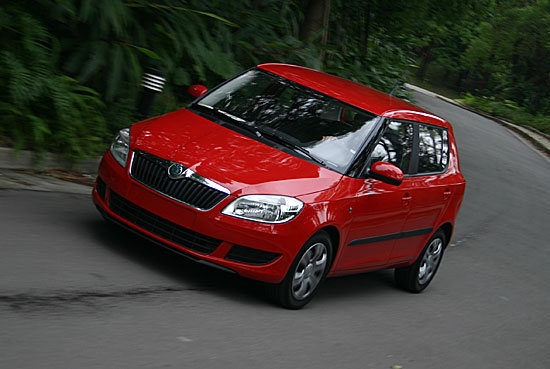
[(433, 149)]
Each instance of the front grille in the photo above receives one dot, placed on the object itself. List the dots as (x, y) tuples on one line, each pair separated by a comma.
[(189, 188), (162, 227), (251, 256)]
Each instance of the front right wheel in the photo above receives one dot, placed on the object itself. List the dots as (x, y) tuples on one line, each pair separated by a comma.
[(416, 277), (306, 273)]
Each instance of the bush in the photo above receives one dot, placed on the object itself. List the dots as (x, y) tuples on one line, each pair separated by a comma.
[(508, 110), (42, 109)]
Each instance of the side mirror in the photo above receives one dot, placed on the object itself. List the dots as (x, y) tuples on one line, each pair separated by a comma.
[(386, 172), (197, 90)]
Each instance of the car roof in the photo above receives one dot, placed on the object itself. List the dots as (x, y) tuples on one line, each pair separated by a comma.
[(353, 93)]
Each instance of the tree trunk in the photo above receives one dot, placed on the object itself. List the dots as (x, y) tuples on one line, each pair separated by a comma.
[(426, 59), (366, 34), (316, 20), (316, 17)]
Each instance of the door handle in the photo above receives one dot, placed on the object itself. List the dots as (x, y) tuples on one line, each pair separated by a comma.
[(446, 194), (406, 199)]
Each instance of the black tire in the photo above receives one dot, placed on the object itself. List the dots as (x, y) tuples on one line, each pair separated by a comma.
[(416, 277), (306, 273)]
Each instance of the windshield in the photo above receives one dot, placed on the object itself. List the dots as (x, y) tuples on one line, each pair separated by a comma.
[(331, 131)]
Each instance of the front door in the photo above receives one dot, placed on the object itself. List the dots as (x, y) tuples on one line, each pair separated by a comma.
[(377, 216), (379, 210)]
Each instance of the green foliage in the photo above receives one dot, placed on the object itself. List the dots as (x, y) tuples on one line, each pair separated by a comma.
[(497, 48), (119, 39), (41, 108), (508, 110), (72, 69), (523, 42), (268, 32), (364, 46), (385, 68)]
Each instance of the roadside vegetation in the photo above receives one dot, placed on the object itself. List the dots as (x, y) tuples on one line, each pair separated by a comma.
[(509, 111), (71, 69)]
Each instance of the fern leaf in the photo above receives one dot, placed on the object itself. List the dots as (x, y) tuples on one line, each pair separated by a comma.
[(150, 53)]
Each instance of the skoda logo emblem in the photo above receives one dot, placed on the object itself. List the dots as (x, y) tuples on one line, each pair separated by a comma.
[(175, 170)]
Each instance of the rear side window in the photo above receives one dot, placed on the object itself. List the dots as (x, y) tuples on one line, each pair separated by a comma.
[(416, 148), (433, 149)]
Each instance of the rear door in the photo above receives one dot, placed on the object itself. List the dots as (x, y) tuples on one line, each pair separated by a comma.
[(428, 188)]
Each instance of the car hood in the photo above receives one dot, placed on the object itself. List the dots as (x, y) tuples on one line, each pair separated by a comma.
[(235, 161)]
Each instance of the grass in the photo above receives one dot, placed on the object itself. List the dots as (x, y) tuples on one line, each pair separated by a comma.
[(506, 110), (509, 111)]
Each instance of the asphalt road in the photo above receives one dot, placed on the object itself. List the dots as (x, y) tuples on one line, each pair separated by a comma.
[(76, 292)]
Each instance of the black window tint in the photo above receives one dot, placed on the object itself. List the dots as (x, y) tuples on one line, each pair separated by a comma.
[(433, 154), (395, 146)]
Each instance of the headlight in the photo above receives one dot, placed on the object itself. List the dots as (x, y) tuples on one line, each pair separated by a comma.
[(121, 145), (265, 208)]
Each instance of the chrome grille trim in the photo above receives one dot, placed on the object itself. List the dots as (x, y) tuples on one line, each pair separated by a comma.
[(186, 186)]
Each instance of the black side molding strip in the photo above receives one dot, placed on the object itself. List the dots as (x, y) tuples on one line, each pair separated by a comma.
[(389, 237)]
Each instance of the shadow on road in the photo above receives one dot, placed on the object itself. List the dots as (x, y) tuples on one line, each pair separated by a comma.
[(194, 276), (187, 273)]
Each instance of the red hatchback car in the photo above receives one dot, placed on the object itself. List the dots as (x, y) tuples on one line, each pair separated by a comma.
[(288, 175)]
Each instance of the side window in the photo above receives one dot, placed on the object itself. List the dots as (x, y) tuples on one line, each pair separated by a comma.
[(395, 145), (433, 149)]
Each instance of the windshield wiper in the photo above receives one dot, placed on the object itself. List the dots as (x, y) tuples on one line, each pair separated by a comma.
[(281, 140), (262, 133), (241, 123)]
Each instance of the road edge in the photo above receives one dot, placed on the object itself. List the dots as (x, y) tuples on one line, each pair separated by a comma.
[(539, 140)]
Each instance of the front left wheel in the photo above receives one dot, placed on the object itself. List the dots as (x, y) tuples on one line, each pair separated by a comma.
[(306, 273)]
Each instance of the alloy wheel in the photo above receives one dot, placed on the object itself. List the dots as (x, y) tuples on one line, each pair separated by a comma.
[(430, 261), (309, 271)]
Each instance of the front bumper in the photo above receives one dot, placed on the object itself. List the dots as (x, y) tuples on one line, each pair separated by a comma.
[(254, 250)]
